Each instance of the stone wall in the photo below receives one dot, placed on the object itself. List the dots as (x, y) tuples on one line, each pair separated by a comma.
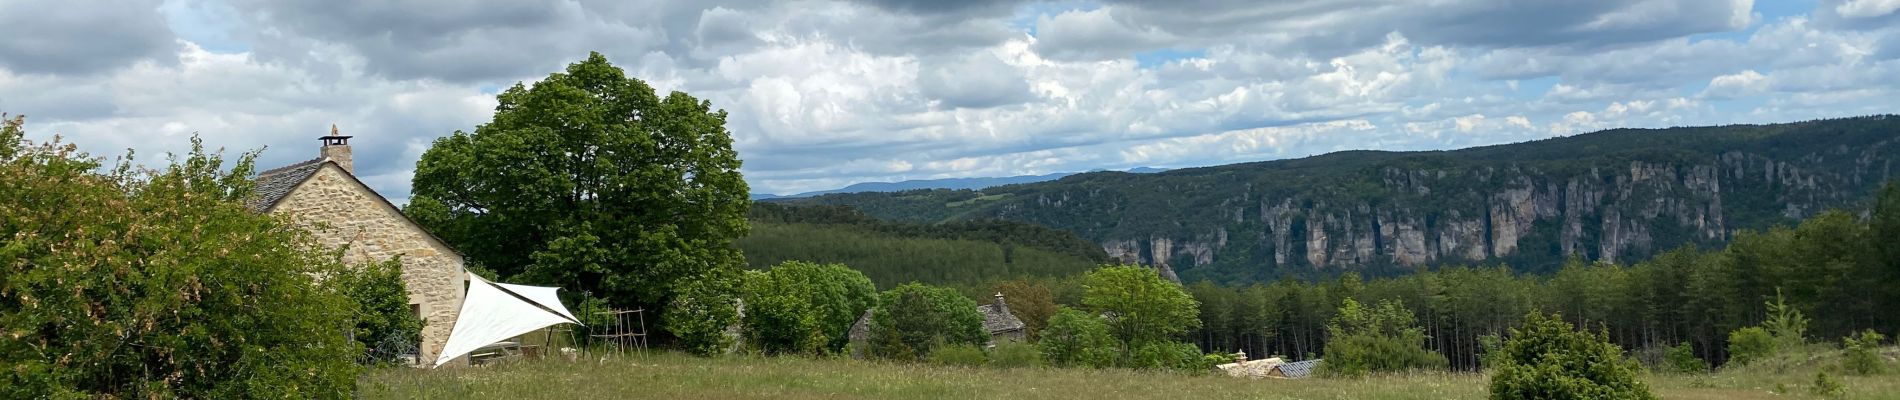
[(341, 212)]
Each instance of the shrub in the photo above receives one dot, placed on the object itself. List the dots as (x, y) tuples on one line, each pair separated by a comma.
[(1013, 354), (1827, 387), (1785, 323), (1746, 345), (913, 318), (960, 354), (1491, 349), (159, 283), (1862, 353), (385, 326), (1078, 339), (801, 307), (1164, 355), (701, 311), (1547, 359), (1681, 358), (1378, 339)]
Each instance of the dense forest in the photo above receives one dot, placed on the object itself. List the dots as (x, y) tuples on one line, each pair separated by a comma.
[(1839, 268), (1618, 196), (969, 255)]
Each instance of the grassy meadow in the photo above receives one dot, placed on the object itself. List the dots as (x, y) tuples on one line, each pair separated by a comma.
[(678, 376)]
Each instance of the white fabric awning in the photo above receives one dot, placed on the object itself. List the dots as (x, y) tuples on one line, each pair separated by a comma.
[(493, 312)]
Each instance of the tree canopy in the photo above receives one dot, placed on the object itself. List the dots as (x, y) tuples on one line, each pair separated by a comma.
[(590, 180), (1140, 305)]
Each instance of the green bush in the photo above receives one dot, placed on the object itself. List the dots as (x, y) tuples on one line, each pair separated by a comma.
[(913, 318), (1785, 323), (1074, 338), (1862, 355), (702, 309), (801, 307), (961, 355), (1827, 386), (1746, 345), (385, 326), (1013, 354), (1547, 359), (1681, 358), (1384, 338), (127, 283), (1164, 355)]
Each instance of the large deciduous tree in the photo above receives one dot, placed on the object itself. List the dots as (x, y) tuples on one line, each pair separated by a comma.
[(1140, 305), (591, 181)]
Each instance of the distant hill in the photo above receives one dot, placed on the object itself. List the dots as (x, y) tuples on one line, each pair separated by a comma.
[(1615, 195), (946, 183)]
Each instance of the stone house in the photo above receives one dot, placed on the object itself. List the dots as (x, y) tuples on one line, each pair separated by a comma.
[(997, 321), (324, 196), (1000, 323)]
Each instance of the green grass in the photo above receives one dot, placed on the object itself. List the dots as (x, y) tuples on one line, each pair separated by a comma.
[(675, 376)]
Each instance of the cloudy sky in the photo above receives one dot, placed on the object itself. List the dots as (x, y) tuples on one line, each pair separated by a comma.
[(828, 93)]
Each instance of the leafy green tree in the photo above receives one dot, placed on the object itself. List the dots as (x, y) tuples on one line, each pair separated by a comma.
[(590, 180), (385, 325), (1383, 338), (914, 318), (1030, 301), (1749, 344), (1548, 359), (1140, 305), (138, 283), (802, 307), (705, 307), (1075, 338)]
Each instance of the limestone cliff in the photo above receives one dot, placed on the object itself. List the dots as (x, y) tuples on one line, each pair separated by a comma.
[(1616, 196)]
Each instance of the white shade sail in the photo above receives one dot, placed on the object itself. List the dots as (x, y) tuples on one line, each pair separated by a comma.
[(493, 312)]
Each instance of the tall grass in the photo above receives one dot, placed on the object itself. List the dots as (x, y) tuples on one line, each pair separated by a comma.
[(676, 376)]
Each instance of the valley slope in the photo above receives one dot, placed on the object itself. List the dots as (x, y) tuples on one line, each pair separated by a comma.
[(1617, 195)]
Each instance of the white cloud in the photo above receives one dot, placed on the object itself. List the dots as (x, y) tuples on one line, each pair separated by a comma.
[(1735, 85), (1867, 8), (824, 93)]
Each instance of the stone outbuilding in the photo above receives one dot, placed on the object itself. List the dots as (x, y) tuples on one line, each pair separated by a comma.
[(1000, 323), (324, 196), (997, 321)]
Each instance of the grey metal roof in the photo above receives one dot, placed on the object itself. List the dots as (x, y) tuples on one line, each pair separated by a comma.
[(998, 321), (274, 184), (1298, 369)]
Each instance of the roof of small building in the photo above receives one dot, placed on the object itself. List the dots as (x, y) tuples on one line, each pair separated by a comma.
[(1298, 369), (997, 320), (275, 184), (272, 186)]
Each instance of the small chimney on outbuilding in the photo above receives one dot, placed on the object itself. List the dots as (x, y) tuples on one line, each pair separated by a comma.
[(337, 148)]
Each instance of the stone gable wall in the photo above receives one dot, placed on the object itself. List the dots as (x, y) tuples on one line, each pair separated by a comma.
[(340, 212)]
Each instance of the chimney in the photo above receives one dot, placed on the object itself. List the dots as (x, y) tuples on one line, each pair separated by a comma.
[(999, 303), (337, 148)]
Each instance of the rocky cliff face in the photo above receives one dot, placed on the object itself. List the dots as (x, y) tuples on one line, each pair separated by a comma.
[(1616, 196), (1437, 216)]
